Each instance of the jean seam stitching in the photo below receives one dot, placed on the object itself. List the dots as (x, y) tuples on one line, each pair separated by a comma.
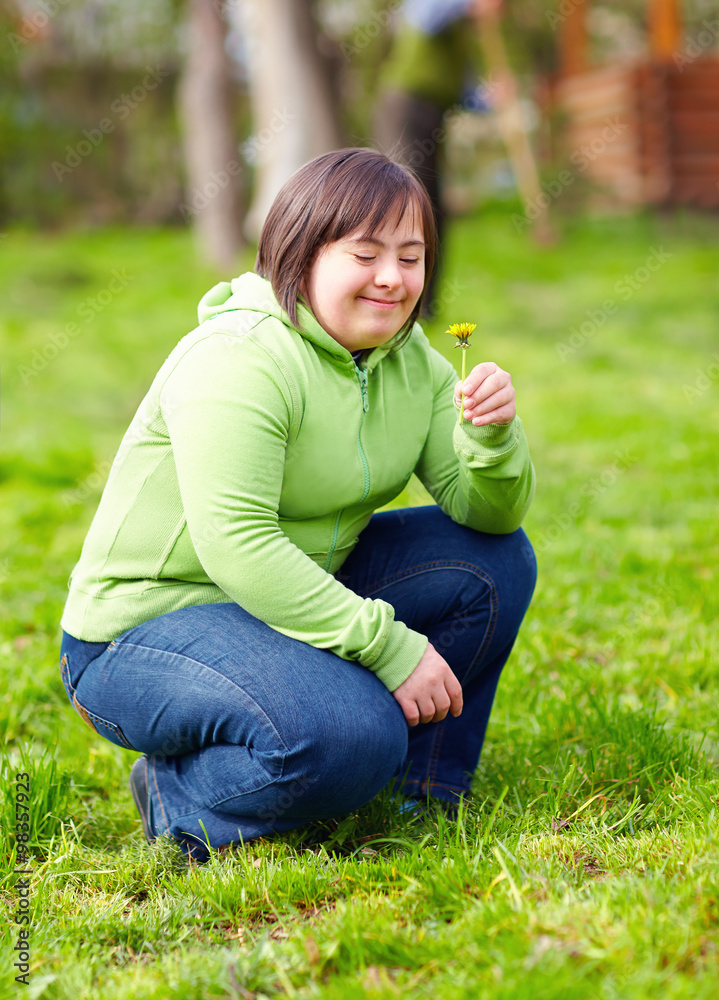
[(437, 784), (425, 567), (77, 705), (217, 805), (112, 726), (436, 744), (159, 797), (207, 666), (65, 672)]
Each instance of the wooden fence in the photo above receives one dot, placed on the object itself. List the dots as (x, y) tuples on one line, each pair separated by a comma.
[(649, 132)]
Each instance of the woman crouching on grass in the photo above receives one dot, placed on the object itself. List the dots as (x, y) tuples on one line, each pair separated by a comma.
[(276, 650)]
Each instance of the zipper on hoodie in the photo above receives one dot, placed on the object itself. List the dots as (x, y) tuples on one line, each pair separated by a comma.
[(362, 378)]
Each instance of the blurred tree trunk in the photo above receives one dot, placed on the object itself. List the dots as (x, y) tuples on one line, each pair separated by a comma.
[(293, 98), (212, 161)]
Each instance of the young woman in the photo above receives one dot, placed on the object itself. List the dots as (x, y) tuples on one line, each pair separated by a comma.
[(276, 650)]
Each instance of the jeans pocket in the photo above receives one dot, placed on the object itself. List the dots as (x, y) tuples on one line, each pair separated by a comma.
[(103, 727), (65, 675)]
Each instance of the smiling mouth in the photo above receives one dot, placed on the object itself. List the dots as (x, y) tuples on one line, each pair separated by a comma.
[(381, 303)]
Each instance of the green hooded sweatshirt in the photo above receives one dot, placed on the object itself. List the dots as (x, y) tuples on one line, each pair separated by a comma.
[(256, 459)]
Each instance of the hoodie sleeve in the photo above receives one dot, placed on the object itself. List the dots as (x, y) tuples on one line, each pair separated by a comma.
[(229, 412), (482, 477)]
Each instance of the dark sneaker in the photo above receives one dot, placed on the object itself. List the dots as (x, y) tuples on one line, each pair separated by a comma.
[(140, 790), (421, 807)]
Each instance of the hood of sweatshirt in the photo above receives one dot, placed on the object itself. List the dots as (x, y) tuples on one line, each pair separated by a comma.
[(252, 293)]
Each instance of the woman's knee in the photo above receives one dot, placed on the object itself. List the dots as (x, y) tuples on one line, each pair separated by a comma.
[(344, 766), (521, 560), (517, 575), (506, 566)]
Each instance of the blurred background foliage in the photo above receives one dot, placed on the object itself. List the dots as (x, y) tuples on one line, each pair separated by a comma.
[(66, 65)]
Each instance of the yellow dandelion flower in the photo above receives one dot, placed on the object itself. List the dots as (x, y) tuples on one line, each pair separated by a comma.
[(462, 331)]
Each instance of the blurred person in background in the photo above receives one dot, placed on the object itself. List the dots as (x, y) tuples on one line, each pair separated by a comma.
[(432, 68)]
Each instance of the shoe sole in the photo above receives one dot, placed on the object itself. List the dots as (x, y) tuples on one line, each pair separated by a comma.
[(141, 795)]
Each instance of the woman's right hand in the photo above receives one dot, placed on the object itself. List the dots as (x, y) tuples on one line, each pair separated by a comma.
[(430, 691)]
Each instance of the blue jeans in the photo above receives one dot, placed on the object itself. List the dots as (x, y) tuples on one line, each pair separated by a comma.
[(249, 732)]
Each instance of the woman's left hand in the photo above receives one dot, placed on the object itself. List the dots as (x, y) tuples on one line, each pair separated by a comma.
[(488, 395)]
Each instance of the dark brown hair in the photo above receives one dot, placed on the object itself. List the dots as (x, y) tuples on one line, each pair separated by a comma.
[(331, 196)]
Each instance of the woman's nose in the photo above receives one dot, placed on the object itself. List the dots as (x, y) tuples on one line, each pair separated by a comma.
[(388, 273)]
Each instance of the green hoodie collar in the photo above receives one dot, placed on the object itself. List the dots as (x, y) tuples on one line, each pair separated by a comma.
[(253, 293)]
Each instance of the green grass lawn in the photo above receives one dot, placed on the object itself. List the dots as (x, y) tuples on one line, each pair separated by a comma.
[(587, 863)]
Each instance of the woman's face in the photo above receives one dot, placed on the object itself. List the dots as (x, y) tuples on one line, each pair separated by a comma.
[(362, 291)]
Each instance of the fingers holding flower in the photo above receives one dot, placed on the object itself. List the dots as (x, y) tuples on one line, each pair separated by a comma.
[(488, 395)]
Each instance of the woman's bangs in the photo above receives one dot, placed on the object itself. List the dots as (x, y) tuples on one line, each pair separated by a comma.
[(391, 208), (375, 201)]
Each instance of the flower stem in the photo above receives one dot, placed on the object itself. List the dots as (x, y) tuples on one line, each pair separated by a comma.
[(461, 408)]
